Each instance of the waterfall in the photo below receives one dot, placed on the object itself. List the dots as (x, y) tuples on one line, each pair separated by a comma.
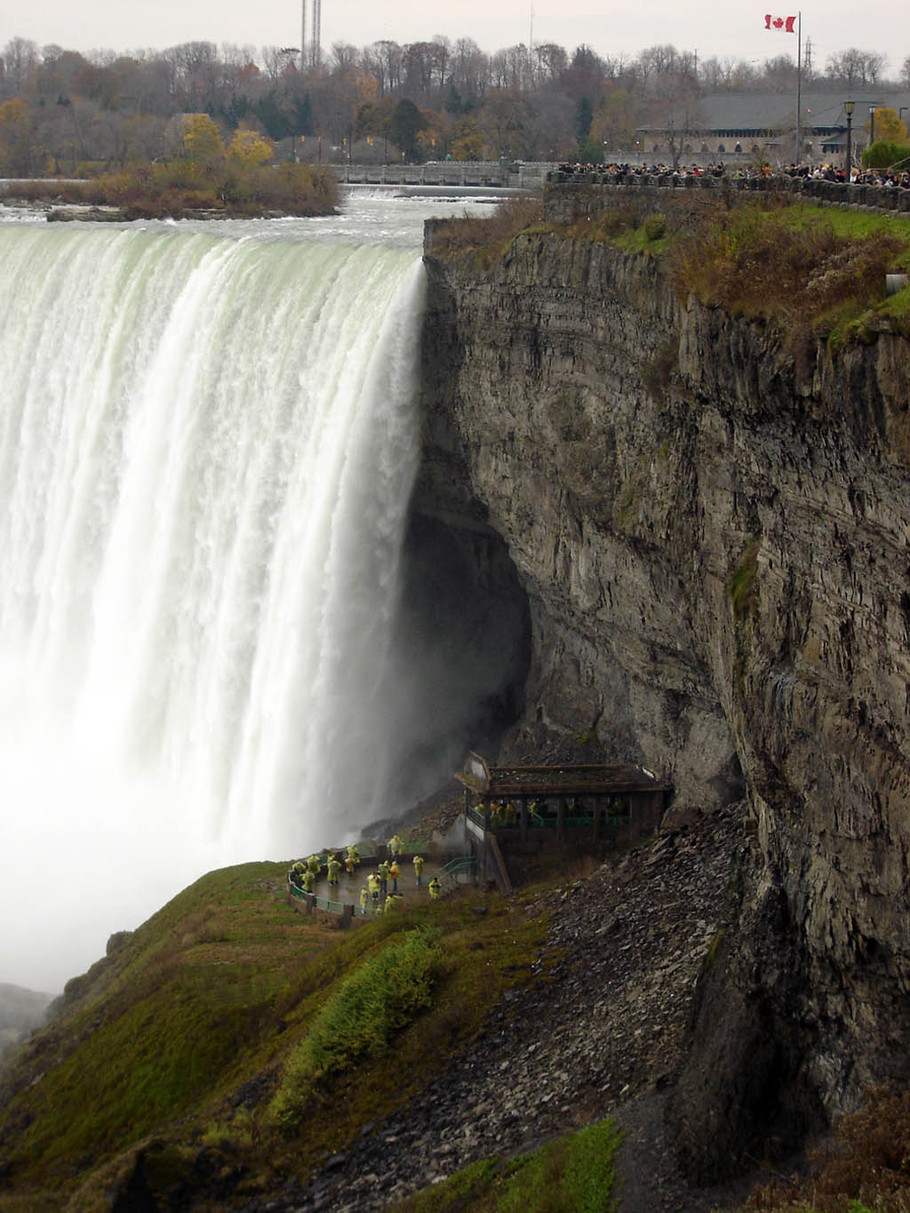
[(207, 443)]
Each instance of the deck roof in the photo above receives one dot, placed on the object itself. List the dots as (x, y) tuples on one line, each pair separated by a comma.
[(500, 783)]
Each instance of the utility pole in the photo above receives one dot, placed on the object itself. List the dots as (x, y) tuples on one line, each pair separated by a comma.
[(799, 87), (849, 106)]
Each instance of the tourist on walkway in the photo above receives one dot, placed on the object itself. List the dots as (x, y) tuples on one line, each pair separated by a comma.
[(396, 846), (418, 870), (435, 889), (334, 870), (364, 900), (394, 873), (375, 886), (384, 876)]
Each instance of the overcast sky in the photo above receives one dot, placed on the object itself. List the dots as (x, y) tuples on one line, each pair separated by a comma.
[(710, 28)]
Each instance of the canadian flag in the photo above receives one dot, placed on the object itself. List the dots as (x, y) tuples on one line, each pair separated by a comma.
[(786, 25)]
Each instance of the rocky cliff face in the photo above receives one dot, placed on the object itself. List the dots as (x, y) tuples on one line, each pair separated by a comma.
[(713, 534)]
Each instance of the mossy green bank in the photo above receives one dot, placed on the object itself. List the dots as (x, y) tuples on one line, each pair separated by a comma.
[(214, 1028)]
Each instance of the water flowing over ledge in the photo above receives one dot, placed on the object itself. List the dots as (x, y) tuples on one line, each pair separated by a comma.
[(207, 446)]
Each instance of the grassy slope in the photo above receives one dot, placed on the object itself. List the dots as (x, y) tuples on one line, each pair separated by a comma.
[(575, 1173), (802, 268), (184, 1034)]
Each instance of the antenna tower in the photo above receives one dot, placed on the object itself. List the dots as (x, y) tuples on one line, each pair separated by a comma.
[(302, 34), (311, 49), (317, 32)]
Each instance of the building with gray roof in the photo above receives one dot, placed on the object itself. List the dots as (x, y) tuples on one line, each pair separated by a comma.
[(751, 124)]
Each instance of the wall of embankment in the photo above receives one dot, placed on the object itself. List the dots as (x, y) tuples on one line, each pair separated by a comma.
[(713, 535)]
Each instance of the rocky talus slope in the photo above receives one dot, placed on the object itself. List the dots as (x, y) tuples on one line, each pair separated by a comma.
[(599, 1032), (710, 521)]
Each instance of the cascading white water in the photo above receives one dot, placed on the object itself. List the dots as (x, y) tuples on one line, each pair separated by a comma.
[(207, 442)]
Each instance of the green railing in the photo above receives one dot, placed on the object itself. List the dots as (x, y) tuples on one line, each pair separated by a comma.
[(538, 821), (370, 910), (463, 865), (326, 903), (367, 849), (550, 823)]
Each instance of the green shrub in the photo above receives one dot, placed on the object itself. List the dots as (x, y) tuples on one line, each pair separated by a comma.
[(379, 999), (883, 154), (576, 1172), (655, 227)]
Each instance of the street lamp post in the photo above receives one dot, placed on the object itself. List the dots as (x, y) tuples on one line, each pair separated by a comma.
[(871, 125), (848, 107)]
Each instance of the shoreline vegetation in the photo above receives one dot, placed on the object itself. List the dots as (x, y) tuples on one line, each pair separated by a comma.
[(204, 180)]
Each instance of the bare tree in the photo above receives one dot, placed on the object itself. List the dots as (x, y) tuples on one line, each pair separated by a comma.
[(420, 70), (855, 67), (20, 60), (470, 69), (779, 75), (390, 55), (659, 60), (344, 56), (551, 62)]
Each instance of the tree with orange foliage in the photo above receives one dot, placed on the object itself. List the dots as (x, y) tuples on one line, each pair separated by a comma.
[(250, 149)]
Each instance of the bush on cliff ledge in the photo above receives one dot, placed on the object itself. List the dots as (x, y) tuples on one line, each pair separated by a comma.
[(487, 238), (783, 265)]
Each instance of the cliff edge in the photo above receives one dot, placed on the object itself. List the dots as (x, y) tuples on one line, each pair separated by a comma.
[(710, 524)]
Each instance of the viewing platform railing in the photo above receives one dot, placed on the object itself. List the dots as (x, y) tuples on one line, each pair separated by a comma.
[(832, 193)]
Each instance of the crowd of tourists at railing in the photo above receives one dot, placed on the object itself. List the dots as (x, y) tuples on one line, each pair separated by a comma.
[(379, 893), (622, 174)]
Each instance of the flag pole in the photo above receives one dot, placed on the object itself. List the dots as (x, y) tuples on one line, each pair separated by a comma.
[(799, 84)]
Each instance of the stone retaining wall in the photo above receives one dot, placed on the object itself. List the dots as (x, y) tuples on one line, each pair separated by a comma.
[(881, 197)]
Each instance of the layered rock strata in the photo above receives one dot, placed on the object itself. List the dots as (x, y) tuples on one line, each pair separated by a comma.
[(711, 524)]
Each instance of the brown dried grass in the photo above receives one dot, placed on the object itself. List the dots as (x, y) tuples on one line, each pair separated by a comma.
[(490, 236), (865, 1167), (754, 262)]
